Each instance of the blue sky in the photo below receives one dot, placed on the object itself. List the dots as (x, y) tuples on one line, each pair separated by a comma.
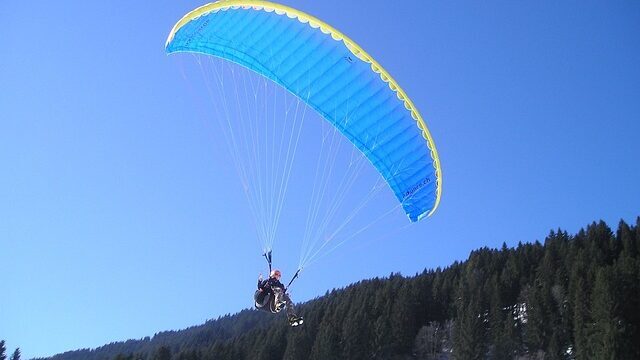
[(120, 215)]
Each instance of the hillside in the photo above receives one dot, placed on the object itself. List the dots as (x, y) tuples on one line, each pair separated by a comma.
[(573, 297)]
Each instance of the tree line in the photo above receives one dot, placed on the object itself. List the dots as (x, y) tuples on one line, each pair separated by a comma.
[(570, 297)]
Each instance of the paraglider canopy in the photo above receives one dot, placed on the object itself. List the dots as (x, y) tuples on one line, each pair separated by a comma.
[(332, 75)]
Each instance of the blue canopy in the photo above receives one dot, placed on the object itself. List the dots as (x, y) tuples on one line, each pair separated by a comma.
[(334, 76)]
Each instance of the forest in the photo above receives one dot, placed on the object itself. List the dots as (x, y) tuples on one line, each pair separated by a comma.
[(573, 296)]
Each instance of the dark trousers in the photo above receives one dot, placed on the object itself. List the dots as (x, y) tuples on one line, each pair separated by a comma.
[(291, 311)]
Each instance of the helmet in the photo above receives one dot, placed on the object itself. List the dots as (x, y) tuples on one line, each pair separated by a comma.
[(275, 272)]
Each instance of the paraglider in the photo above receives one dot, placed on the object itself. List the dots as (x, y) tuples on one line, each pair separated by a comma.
[(332, 75), (271, 296)]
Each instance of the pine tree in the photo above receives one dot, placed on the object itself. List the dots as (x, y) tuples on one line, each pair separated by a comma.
[(550, 294), (16, 354), (502, 326), (380, 348), (327, 341), (469, 331), (580, 322), (579, 305), (535, 329), (356, 336), (163, 353), (443, 292), (123, 357), (381, 313), (626, 236), (510, 276), (3, 349), (603, 339), (402, 321), (626, 292), (299, 343), (637, 237), (274, 347), (599, 236)]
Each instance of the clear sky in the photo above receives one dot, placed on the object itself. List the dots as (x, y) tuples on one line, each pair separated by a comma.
[(120, 217)]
